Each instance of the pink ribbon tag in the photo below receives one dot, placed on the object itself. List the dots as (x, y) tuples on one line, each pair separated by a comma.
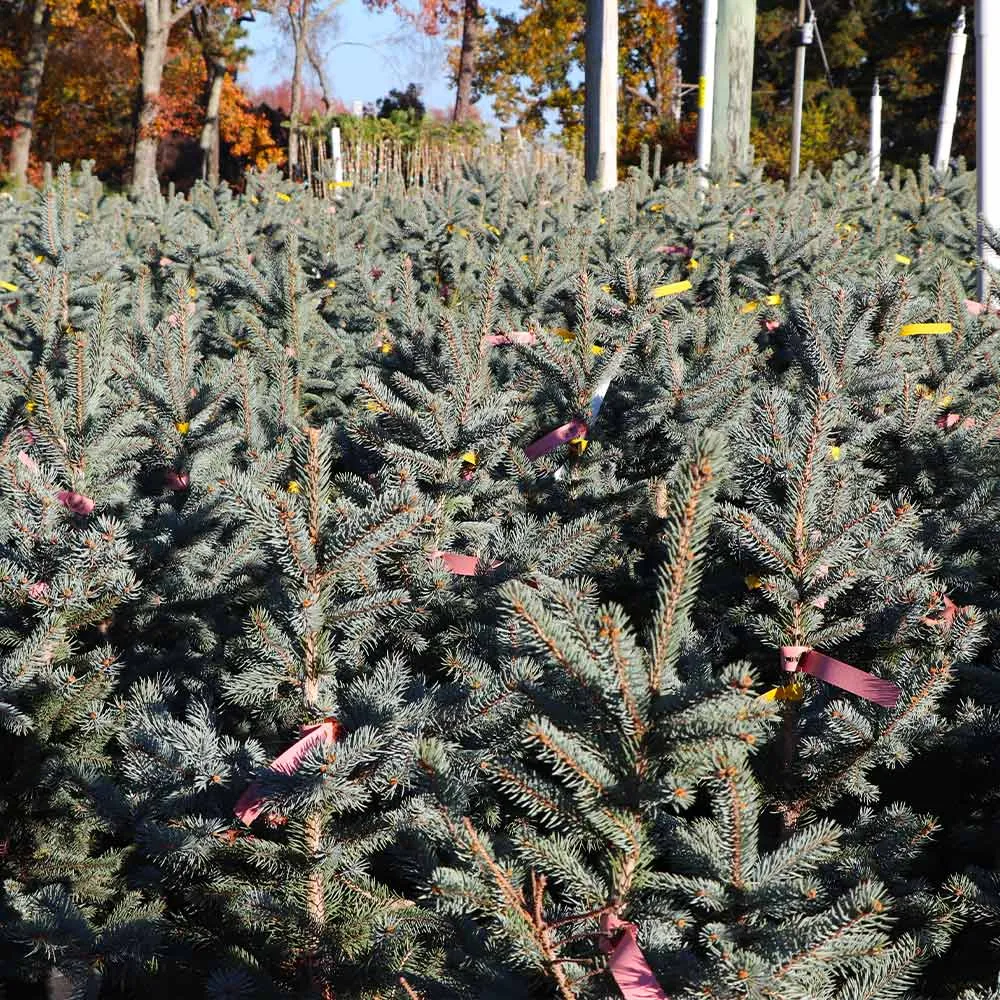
[(177, 480), (842, 675), (552, 440), (251, 803), (27, 461), (673, 248), (38, 590), (75, 502), (458, 564), (525, 337), (977, 308), (626, 962)]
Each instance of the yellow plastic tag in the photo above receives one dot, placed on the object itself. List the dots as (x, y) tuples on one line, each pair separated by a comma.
[(341, 184), (945, 401), (656, 208), (470, 457), (750, 307), (596, 350), (331, 284), (39, 259), (605, 288), (254, 200), (7, 286), (702, 87), (692, 264), (674, 288), (492, 229), (835, 452), (182, 427), (385, 347), (525, 257), (579, 445), (193, 293), (792, 692), (919, 329), (773, 300), (293, 487), (903, 259)]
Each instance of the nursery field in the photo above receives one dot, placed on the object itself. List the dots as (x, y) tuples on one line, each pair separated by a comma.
[(610, 579)]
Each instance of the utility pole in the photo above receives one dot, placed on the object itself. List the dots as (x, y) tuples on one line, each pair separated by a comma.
[(734, 45), (875, 137), (706, 88), (949, 102), (805, 32), (987, 138), (601, 90)]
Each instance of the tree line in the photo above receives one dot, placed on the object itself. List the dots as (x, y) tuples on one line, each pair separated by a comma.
[(116, 81)]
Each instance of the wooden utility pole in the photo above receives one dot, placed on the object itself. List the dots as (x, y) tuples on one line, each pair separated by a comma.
[(798, 86), (987, 17), (734, 45), (601, 101)]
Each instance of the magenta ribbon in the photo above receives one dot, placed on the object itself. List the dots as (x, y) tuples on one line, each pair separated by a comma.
[(251, 802), (552, 440), (75, 502), (626, 962), (458, 564), (177, 481), (673, 248), (514, 337), (842, 675)]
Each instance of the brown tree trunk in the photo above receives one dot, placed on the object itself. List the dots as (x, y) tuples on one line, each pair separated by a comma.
[(31, 85), (297, 16), (471, 24), (210, 130), (154, 55)]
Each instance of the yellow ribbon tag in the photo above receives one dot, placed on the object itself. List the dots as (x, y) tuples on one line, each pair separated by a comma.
[(492, 229), (752, 582), (692, 264), (564, 334), (293, 487), (702, 87), (386, 347), (596, 350), (603, 220), (605, 288), (39, 259), (7, 286), (193, 293), (579, 445), (30, 406), (283, 197), (525, 257), (945, 401), (374, 407), (656, 208), (254, 200), (918, 329), (903, 259), (470, 457), (182, 427), (835, 452), (792, 692), (331, 284), (675, 288), (340, 184)]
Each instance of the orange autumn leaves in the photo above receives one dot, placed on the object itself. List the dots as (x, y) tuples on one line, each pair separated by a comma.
[(89, 89)]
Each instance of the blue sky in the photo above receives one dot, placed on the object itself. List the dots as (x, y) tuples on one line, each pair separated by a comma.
[(370, 54)]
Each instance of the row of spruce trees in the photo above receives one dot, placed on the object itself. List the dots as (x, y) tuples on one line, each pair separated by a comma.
[(244, 441)]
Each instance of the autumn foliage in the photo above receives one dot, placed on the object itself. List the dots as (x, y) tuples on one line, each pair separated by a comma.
[(90, 84)]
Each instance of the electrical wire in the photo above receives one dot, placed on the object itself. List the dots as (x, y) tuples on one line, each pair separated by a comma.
[(819, 38)]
